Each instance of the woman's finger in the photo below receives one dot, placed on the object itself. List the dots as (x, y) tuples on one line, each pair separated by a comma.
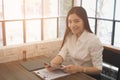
[(48, 67)]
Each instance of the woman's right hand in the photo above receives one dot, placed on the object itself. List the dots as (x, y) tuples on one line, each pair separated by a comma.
[(56, 61), (49, 67)]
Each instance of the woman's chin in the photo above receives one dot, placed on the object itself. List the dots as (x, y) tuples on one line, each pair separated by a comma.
[(74, 32)]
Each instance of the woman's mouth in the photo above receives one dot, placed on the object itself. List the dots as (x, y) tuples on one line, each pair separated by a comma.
[(75, 28)]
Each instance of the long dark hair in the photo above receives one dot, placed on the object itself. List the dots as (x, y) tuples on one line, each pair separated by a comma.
[(81, 13)]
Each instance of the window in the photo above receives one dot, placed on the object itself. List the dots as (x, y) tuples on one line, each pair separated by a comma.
[(50, 29), (1, 16), (117, 17), (90, 8), (32, 20), (65, 6), (13, 12), (33, 30), (104, 31), (14, 32), (50, 8), (117, 35), (62, 26), (92, 24), (1, 39), (36, 20), (77, 2), (104, 18), (105, 9), (33, 9)]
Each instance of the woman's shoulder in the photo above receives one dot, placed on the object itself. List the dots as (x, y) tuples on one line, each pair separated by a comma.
[(94, 41), (92, 36)]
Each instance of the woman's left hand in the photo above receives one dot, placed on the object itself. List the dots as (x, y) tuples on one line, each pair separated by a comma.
[(71, 69)]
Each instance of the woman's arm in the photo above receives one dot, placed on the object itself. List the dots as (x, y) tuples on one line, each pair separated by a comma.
[(90, 70), (76, 68)]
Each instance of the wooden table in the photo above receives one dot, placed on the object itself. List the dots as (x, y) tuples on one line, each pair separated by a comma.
[(14, 71)]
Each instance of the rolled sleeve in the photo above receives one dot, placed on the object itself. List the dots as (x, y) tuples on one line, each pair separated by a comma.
[(96, 54)]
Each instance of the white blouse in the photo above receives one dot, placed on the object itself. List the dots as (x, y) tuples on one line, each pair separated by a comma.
[(84, 51)]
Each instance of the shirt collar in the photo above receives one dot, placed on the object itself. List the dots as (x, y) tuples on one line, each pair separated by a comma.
[(83, 35)]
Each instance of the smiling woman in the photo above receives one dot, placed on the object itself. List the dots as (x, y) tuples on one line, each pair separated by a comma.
[(81, 45)]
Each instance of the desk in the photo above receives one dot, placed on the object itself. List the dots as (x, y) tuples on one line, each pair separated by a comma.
[(14, 71)]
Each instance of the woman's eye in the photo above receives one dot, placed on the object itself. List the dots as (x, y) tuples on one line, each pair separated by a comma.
[(76, 21)]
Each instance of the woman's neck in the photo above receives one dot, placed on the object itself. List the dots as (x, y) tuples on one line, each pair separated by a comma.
[(78, 35)]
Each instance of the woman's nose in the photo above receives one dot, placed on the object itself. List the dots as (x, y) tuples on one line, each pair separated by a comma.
[(72, 24)]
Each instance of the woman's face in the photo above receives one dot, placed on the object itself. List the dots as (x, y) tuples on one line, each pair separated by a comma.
[(75, 24)]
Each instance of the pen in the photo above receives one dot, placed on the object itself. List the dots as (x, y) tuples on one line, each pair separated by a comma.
[(47, 65)]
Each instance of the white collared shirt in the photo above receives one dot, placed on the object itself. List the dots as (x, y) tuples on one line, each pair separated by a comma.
[(84, 51)]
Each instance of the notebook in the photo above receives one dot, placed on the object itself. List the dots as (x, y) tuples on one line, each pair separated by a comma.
[(50, 75), (34, 64)]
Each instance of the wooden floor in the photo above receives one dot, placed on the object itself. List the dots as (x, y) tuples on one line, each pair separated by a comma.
[(14, 71)]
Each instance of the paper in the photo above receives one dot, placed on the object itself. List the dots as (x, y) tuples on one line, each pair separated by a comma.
[(47, 75)]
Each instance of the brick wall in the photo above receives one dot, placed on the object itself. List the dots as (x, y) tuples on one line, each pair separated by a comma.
[(12, 53)]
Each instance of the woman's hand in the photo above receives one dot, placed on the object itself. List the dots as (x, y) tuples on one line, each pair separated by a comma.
[(56, 61), (49, 67), (72, 69)]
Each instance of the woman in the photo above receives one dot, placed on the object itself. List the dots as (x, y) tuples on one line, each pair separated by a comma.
[(80, 44)]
